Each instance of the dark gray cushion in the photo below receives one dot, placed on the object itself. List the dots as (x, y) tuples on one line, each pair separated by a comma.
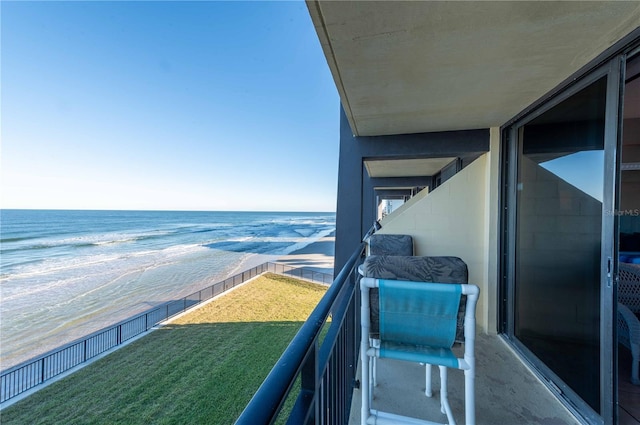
[(416, 269), (381, 244)]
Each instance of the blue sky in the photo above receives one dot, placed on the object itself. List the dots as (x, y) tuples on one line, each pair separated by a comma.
[(166, 105), (584, 170)]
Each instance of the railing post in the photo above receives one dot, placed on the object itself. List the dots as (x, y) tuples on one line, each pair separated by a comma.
[(309, 381)]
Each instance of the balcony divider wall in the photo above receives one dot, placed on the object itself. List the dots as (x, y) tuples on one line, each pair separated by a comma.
[(357, 204)]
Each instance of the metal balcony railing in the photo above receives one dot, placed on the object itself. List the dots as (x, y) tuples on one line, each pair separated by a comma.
[(317, 372)]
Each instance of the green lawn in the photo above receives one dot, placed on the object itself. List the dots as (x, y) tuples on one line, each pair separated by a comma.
[(201, 369)]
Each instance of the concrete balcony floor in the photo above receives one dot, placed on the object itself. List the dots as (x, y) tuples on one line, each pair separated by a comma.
[(507, 392)]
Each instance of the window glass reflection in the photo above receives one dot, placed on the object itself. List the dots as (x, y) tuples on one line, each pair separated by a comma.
[(559, 219)]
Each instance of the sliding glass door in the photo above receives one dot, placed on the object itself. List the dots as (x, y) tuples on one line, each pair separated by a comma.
[(560, 195)]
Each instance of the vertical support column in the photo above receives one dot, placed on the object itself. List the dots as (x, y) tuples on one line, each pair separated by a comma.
[(349, 207)]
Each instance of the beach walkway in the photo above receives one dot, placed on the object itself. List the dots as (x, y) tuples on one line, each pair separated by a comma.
[(317, 256)]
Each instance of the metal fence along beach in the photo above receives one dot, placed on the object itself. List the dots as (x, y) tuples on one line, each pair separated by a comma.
[(29, 374)]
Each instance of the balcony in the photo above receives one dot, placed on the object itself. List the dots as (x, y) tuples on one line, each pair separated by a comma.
[(319, 375), (507, 392)]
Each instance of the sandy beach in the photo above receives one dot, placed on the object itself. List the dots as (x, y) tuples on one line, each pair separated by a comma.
[(317, 256)]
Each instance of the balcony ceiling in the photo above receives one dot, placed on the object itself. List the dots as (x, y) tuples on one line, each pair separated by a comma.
[(417, 167), (424, 66)]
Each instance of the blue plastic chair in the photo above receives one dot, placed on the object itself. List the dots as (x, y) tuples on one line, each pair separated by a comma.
[(418, 324)]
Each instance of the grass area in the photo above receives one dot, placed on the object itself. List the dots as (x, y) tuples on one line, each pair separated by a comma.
[(203, 368)]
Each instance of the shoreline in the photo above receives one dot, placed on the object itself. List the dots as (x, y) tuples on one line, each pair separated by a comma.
[(317, 256)]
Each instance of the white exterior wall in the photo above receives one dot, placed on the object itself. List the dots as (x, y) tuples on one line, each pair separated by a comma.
[(460, 219)]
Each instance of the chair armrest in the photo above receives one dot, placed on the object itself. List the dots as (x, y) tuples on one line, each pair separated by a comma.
[(629, 286), (631, 321)]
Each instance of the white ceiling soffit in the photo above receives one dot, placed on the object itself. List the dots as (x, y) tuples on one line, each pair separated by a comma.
[(422, 66), (394, 188), (406, 167)]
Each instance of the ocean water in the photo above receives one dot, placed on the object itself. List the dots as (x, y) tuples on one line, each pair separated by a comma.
[(65, 274)]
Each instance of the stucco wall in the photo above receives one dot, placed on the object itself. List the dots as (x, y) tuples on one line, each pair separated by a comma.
[(452, 220), (398, 211)]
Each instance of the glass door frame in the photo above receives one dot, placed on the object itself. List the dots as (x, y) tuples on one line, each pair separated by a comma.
[(512, 145)]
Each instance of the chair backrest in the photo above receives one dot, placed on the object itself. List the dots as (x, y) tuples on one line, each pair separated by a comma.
[(384, 244), (419, 313), (629, 286)]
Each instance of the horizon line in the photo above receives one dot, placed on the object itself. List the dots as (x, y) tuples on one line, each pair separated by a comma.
[(162, 210)]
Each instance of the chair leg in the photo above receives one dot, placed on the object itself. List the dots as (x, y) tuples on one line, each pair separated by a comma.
[(374, 363), (372, 368), (427, 381), (366, 387), (374, 371), (469, 398), (444, 399)]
